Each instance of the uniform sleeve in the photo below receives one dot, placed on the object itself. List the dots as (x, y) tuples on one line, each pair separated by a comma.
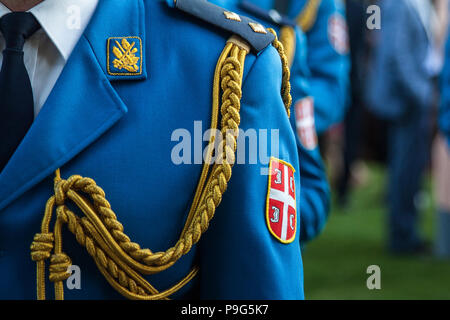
[(328, 61), (300, 72), (314, 193), (444, 117), (239, 257)]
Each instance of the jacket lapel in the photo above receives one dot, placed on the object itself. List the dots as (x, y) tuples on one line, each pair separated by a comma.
[(83, 104)]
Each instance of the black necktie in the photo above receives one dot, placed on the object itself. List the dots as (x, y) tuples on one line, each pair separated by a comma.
[(16, 95)]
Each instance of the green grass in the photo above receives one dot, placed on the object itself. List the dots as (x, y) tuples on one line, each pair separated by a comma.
[(335, 264)]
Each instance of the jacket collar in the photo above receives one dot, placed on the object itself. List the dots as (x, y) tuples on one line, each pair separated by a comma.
[(71, 120), (62, 20)]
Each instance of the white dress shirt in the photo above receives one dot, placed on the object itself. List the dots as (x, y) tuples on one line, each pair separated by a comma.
[(47, 51)]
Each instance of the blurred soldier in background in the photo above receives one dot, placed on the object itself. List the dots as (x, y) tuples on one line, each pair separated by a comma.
[(314, 194), (441, 147), (356, 20), (401, 90), (324, 24), (444, 120)]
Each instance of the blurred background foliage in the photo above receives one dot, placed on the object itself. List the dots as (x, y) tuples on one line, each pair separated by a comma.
[(335, 264)]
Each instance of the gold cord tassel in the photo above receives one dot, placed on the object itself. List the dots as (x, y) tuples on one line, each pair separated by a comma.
[(121, 261)]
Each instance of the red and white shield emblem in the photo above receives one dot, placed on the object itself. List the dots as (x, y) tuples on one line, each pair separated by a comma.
[(281, 212), (306, 126), (338, 33)]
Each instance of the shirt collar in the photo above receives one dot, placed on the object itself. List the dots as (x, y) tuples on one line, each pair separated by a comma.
[(3, 10), (64, 21)]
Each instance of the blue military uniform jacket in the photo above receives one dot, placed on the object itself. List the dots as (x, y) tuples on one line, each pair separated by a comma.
[(323, 22), (444, 118), (399, 84), (111, 117), (314, 195)]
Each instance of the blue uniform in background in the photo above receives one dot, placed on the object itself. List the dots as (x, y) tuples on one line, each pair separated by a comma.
[(441, 163), (314, 195), (141, 71), (400, 90), (444, 118), (323, 22)]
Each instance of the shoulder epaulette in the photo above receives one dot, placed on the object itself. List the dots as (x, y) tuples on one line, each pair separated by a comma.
[(253, 32), (307, 17), (271, 16)]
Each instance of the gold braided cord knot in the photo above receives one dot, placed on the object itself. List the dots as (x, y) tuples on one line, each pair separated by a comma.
[(59, 266), (42, 246), (120, 260), (286, 85)]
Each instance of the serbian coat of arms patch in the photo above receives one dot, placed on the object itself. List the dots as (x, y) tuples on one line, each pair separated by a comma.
[(281, 211), (338, 34), (304, 119)]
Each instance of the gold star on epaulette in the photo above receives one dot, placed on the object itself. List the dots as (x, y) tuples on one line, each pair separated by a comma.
[(258, 28), (232, 16)]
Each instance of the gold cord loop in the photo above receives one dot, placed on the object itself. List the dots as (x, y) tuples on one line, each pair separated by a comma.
[(59, 266), (42, 246)]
